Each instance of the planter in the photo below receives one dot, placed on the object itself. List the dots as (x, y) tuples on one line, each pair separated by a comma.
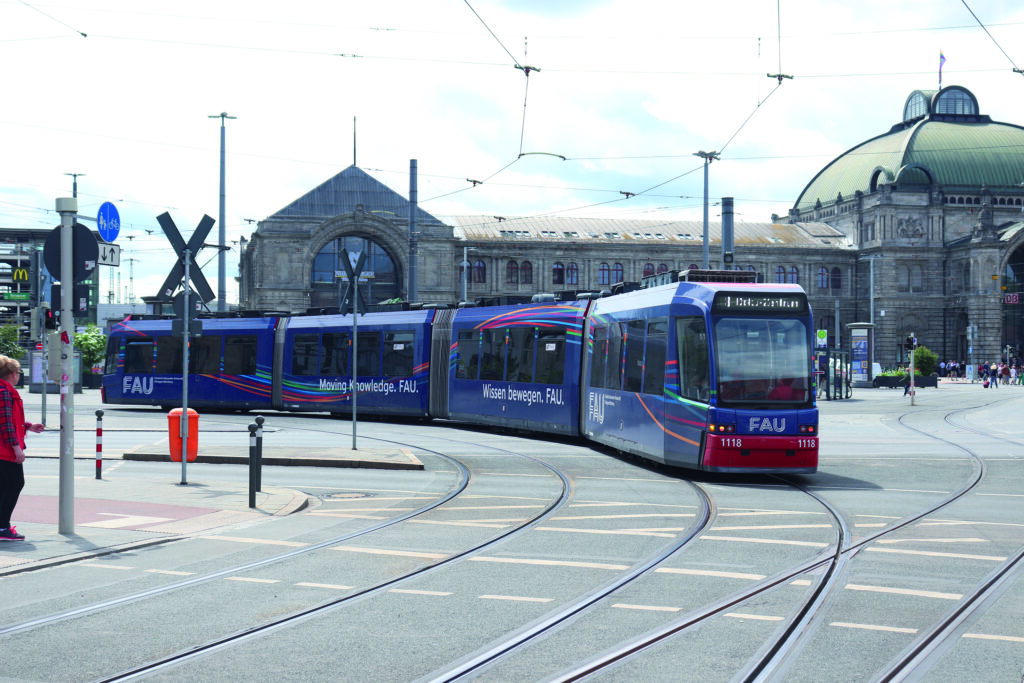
[(91, 380), (893, 382)]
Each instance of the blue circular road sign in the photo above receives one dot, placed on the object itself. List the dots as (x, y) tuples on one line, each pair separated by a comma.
[(108, 221)]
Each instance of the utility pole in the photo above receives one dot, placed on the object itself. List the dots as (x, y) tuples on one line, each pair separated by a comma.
[(74, 184), (708, 157), (68, 209), (222, 291)]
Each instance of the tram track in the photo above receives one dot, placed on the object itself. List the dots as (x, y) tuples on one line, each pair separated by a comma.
[(461, 486)]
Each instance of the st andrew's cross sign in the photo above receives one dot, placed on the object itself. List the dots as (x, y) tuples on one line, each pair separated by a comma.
[(177, 274)]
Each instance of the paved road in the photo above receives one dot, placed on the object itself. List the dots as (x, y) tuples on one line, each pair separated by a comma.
[(884, 465)]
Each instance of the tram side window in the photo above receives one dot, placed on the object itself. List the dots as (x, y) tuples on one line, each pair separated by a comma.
[(469, 355), (204, 356), (306, 355), (599, 357), (613, 376), (634, 355), (168, 355), (521, 345), (398, 353), (240, 354), (654, 358), (492, 354), (692, 341), (368, 363), (336, 351), (550, 357), (138, 357)]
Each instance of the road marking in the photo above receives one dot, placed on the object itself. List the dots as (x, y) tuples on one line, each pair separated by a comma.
[(933, 540), (931, 553), (606, 532), (904, 591), (709, 572), (646, 608), (755, 617), (331, 586), (770, 541), (550, 563), (249, 579), (125, 520), (98, 565), (656, 515), (257, 541), (514, 598), (394, 553), (475, 525), (344, 515), (983, 636), (872, 627), (495, 507), (775, 526), (407, 591), (363, 510), (169, 572)]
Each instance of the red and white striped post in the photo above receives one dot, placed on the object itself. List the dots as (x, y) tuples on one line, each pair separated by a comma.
[(99, 444)]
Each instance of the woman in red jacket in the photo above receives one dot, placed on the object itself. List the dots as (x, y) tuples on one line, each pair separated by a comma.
[(12, 445)]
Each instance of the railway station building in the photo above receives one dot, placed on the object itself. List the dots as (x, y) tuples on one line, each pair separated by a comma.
[(919, 230)]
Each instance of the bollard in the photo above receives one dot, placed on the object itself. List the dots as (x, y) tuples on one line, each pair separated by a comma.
[(259, 452), (252, 465), (99, 444)]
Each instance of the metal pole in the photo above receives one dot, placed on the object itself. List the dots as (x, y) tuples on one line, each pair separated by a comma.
[(465, 268), (222, 232), (413, 288), (259, 452), (913, 388), (355, 352), (99, 444), (252, 464), (41, 312), (186, 324), (67, 208), (707, 247), (871, 318), (838, 340)]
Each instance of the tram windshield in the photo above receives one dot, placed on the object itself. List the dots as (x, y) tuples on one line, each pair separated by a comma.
[(762, 360)]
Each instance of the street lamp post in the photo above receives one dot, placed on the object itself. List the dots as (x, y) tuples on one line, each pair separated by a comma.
[(708, 157)]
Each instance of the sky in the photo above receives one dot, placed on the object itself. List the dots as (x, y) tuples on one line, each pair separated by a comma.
[(589, 108)]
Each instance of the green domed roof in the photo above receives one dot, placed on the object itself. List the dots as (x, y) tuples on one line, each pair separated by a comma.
[(946, 143)]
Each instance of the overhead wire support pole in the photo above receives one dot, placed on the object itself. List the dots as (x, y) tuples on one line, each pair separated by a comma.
[(68, 209), (708, 157), (222, 291)]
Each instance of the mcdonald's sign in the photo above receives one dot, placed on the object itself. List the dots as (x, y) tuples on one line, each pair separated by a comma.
[(21, 275)]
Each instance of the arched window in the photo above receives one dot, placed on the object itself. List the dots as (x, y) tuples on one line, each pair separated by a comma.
[(558, 274), (956, 101), (526, 273), (662, 268), (693, 266), (823, 278), (617, 273), (512, 273), (648, 269), (917, 279), (479, 272), (780, 274), (604, 274), (837, 278), (794, 275), (572, 274), (324, 283)]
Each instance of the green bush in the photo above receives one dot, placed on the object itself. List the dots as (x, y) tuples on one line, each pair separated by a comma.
[(9, 342), (92, 344), (925, 360)]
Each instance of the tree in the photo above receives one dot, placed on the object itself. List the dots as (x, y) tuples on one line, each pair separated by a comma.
[(925, 360), (9, 335), (92, 344)]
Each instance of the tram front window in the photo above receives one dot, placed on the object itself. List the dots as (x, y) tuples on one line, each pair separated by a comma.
[(762, 360)]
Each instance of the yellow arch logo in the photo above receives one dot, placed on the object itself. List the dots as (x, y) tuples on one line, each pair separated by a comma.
[(21, 274)]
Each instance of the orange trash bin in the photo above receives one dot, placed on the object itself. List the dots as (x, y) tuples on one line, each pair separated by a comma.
[(174, 434)]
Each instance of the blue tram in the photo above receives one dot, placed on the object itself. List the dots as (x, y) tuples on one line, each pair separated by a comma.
[(703, 375)]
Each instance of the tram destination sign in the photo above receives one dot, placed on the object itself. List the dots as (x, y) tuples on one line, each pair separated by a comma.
[(747, 302)]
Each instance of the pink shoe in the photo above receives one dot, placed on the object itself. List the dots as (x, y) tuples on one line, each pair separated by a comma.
[(10, 534)]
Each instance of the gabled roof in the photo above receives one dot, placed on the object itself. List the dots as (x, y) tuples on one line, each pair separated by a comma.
[(345, 192)]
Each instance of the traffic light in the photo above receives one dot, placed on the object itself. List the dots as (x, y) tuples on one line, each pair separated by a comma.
[(33, 323), (51, 318)]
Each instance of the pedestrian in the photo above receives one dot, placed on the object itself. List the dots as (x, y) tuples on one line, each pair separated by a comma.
[(906, 388), (993, 376), (12, 445)]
